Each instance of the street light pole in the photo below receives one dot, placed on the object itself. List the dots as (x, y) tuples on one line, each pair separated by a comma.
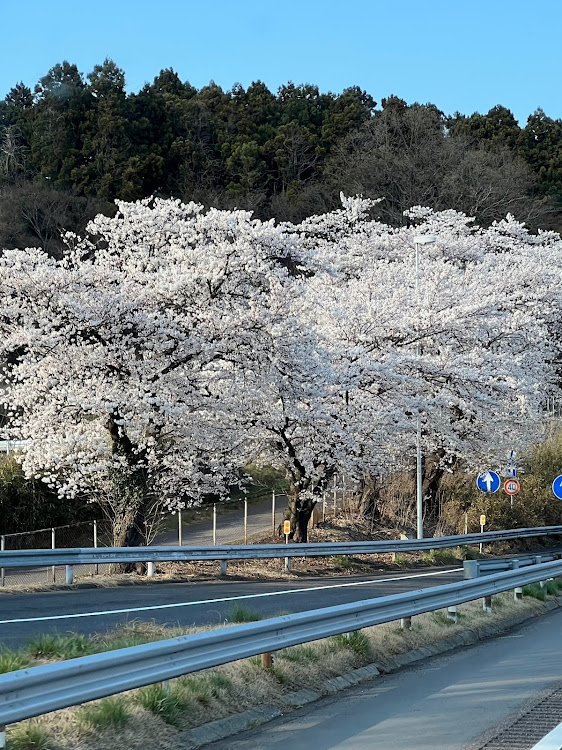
[(419, 239)]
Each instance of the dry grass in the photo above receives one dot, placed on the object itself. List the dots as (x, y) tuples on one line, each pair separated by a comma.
[(215, 693)]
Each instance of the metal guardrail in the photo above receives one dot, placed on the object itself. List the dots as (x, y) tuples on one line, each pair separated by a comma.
[(476, 568), (88, 555), (39, 690)]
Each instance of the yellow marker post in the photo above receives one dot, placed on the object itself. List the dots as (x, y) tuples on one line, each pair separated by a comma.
[(482, 524), (287, 531)]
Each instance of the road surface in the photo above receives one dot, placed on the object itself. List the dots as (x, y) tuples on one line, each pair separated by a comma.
[(24, 615), (444, 703)]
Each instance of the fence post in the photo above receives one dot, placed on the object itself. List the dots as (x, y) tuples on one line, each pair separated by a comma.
[(2, 548), (96, 566), (180, 530), (273, 513), (214, 524), (53, 547), (245, 521)]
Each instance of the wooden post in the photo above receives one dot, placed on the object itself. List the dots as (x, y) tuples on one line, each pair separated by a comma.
[(267, 660)]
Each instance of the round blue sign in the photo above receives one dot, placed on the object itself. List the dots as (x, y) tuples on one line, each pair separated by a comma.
[(488, 481), (557, 487)]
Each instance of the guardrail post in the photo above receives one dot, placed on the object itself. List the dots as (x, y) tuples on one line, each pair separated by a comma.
[(2, 737), (487, 604), (452, 613), (405, 623), (538, 561), (267, 660), (69, 574), (288, 563), (223, 567), (150, 569), (2, 548), (517, 591)]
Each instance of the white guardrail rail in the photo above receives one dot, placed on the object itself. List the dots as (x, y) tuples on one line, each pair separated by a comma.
[(89, 555), (38, 690)]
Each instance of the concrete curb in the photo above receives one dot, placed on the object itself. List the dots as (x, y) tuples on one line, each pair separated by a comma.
[(236, 723)]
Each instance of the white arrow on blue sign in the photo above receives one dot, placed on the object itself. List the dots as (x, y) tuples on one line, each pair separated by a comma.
[(557, 487), (488, 481)]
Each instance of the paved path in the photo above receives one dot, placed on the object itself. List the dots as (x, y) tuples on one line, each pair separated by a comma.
[(445, 703)]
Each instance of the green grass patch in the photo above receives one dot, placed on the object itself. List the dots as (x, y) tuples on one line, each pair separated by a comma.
[(401, 561), (440, 557), (163, 702), (342, 562), (300, 654), (60, 646), (535, 590), (109, 712), (241, 614), (10, 661), (30, 736), (553, 586), (441, 618), (356, 641)]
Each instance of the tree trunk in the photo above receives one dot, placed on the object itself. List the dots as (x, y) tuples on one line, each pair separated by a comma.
[(433, 472), (299, 512), (368, 497), (129, 530)]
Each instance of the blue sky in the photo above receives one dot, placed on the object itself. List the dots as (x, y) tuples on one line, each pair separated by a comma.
[(465, 55)]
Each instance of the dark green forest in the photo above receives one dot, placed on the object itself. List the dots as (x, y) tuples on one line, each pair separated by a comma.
[(75, 143)]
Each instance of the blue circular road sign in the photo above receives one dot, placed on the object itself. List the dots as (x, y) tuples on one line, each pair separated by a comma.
[(488, 481), (557, 487)]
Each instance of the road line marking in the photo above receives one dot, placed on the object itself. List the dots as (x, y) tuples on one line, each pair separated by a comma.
[(155, 607)]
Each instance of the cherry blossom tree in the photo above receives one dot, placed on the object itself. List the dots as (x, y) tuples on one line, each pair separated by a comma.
[(127, 354)]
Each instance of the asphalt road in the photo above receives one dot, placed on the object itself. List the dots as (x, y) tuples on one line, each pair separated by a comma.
[(24, 615), (445, 703)]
